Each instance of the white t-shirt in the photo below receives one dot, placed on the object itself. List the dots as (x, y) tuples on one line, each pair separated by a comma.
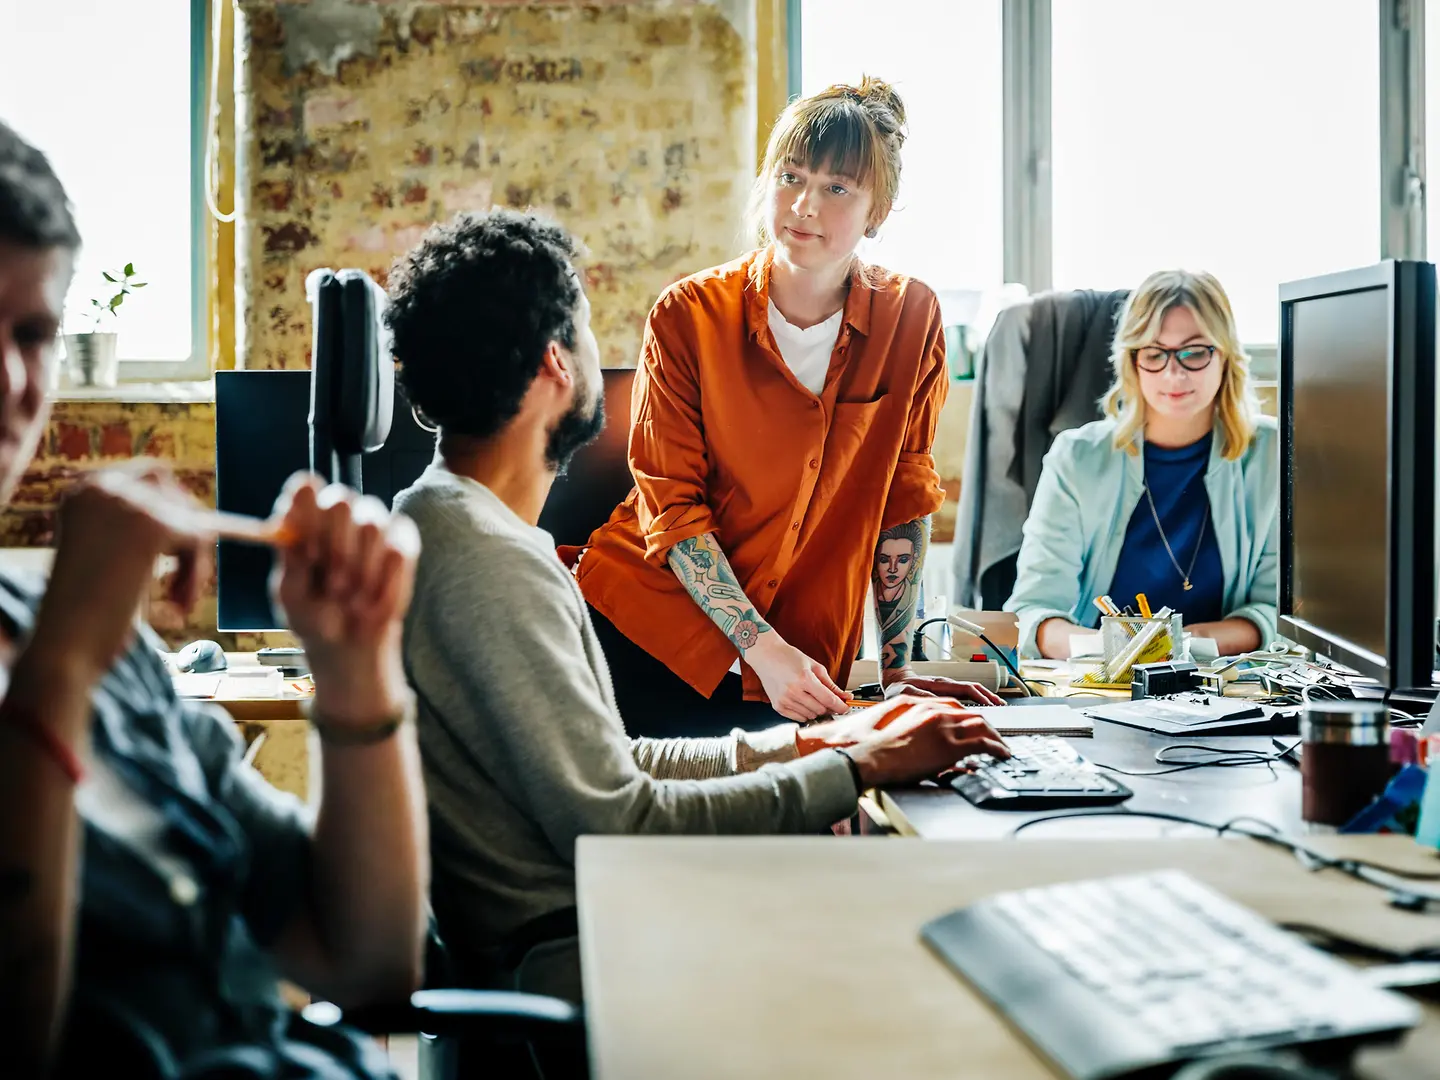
[(806, 352)]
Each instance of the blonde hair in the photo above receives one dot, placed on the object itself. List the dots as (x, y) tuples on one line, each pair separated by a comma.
[(856, 131), (1236, 409)]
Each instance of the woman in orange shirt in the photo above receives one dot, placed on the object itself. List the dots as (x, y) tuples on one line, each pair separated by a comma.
[(782, 421)]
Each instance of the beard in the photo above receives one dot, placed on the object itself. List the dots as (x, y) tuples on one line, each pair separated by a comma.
[(575, 430)]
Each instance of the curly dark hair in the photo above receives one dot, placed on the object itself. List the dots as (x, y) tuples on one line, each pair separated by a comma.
[(472, 310), (34, 209)]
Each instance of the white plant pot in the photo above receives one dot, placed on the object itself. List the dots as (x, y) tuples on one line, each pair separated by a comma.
[(92, 359)]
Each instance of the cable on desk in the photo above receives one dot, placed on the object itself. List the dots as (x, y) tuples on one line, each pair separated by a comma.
[(1341, 945), (1360, 869), (1227, 759)]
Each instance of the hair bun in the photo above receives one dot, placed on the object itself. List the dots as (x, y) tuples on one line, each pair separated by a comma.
[(879, 92)]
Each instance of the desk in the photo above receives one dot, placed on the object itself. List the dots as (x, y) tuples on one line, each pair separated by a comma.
[(1210, 794), (1270, 794), (274, 727), (801, 956)]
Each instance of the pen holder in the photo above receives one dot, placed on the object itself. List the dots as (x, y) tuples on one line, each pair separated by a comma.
[(1126, 642)]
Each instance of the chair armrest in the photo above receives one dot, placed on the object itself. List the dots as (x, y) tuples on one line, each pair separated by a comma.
[(495, 1014)]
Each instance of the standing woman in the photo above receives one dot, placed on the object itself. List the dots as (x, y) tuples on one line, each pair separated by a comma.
[(1175, 494), (782, 422)]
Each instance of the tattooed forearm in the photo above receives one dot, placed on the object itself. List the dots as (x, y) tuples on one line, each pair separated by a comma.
[(705, 572), (899, 557)]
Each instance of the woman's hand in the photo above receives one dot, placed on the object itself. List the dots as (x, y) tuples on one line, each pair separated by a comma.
[(112, 527), (905, 681), (799, 688), (343, 583)]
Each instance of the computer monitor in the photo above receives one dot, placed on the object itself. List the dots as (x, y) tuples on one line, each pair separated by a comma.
[(1357, 439), (262, 438)]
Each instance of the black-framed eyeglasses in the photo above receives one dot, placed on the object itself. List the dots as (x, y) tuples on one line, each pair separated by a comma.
[(1154, 359)]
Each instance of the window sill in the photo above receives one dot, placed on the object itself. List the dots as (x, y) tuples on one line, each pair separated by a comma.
[(172, 392)]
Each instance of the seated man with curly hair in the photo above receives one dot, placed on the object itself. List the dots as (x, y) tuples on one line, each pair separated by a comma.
[(522, 746)]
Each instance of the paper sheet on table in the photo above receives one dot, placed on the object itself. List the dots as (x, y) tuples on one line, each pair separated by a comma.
[(193, 685), (257, 683), (1082, 645), (1036, 720)]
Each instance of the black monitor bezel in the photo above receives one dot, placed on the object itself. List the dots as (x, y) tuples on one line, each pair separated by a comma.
[(1410, 465)]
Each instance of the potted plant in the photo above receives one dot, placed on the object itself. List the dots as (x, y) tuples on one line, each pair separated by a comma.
[(93, 358)]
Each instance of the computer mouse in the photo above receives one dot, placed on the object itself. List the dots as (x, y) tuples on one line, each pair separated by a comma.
[(200, 657)]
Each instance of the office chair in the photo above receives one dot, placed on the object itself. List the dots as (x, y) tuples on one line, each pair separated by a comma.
[(468, 1034), (352, 373), (1044, 367)]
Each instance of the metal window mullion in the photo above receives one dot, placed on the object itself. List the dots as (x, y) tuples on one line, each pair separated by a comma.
[(1027, 143), (1402, 129)]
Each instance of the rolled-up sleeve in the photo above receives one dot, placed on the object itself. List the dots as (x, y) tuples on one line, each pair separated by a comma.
[(915, 489), (667, 439)]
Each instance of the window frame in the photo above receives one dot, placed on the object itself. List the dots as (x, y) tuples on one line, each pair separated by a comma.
[(196, 367), (1028, 222)]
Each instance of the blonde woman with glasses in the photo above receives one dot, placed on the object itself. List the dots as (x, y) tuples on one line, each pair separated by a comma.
[(1175, 494)]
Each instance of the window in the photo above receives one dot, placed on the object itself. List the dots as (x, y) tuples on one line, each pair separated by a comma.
[(1432, 134), (1233, 136), (947, 225), (113, 93)]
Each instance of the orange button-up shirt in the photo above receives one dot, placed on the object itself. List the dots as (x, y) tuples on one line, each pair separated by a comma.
[(796, 487)]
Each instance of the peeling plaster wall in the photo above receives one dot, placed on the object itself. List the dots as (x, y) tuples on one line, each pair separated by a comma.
[(362, 123)]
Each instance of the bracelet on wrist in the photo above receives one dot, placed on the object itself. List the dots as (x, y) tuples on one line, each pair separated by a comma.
[(60, 753), (372, 733), (854, 770)]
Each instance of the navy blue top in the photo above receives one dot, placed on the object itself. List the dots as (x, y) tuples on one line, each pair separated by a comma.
[(1176, 478)]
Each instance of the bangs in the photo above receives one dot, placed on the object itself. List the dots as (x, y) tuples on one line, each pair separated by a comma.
[(830, 136)]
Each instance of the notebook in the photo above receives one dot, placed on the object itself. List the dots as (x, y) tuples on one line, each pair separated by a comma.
[(1036, 720)]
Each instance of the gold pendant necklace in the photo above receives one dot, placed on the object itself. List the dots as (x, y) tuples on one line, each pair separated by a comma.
[(1184, 574)]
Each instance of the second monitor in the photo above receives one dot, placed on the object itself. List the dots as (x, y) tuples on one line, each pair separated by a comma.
[(261, 439), (1357, 439)]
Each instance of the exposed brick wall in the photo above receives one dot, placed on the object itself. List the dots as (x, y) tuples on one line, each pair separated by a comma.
[(86, 435), (633, 123)]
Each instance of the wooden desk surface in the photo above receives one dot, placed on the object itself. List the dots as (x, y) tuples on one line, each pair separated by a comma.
[(801, 956), (287, 704)]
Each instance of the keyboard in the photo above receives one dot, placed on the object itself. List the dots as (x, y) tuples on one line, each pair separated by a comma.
[(1145, 971), (1043, 773)]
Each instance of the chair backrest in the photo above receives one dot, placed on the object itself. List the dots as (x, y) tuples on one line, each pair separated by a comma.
[(1043, 369), (352, 375), (598, 478)]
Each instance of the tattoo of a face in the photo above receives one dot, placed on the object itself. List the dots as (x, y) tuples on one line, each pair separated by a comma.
[(899, 557)]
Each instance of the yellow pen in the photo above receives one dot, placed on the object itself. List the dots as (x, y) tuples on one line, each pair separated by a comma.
[(1144, 605)]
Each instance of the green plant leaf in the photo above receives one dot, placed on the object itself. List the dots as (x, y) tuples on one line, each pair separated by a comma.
[(117, 301), (139, 284), (106, 276), (129, 269)]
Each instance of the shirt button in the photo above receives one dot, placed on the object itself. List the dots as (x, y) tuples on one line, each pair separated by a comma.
[(814, 463), (794, 525), (771, 583), (183, 890)]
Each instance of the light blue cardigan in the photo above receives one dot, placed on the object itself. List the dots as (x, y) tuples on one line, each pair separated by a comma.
[(1083, 503)]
